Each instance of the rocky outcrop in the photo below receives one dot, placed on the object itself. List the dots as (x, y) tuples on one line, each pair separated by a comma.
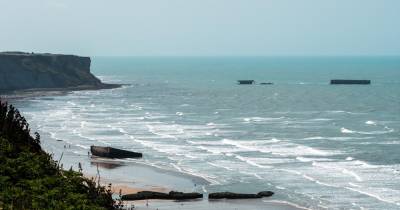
[(19, 71), (350, 82), (111, 152), (145, 195), (230, 195)]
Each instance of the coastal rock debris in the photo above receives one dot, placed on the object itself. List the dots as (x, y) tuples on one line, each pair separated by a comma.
[(144, 195), (230, 195)]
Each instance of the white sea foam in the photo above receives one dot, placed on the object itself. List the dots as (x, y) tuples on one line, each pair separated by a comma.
[(136, 107), (82, 146), (251, 162), (336, 138), (71, 103), (378, 197), (343, 112), (276, 147), (302, 159), (220, 166), (238, 145), (387, 130), (153, 130), (351, 173), (370, 122), (339, 169), (83, 124), (320, 119), (345, 130), (293, 150), (206, 142), (280, 187), (261, 119)]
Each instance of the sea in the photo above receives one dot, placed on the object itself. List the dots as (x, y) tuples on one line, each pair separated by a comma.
[(316, 145)]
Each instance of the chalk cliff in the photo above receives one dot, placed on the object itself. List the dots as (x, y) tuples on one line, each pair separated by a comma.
[(19, 71)]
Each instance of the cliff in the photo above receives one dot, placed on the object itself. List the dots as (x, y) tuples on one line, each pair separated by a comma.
[(19, 71)]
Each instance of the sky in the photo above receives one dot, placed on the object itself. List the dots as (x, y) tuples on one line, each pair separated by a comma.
[(201, 27)]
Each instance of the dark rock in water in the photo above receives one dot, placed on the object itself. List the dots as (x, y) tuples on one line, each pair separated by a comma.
[(20, 71), (184, 196), (230, 195), (246, 82), (145, 195), (350, 82), (265, 193), (111, 152)]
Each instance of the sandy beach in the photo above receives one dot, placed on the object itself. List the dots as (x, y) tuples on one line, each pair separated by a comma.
[(132, 177), (198, 204)]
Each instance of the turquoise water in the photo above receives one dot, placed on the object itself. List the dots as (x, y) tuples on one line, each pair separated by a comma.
[(316, 145)]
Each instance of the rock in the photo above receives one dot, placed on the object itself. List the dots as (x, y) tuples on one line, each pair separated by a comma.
[(111, 152), (350, 82), (230, 195), (265, 193), (184, 196), (145, 195), (246, 82), (21, 71)]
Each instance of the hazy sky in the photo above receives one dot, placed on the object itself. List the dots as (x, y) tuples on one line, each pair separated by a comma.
[(202, 27)]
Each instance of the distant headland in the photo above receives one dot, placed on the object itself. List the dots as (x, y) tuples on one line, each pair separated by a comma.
[(45, 71)]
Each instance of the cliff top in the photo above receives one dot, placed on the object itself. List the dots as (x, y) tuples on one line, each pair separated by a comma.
[(19, 53)]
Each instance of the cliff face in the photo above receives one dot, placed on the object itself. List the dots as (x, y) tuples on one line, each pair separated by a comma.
[(42, 71)]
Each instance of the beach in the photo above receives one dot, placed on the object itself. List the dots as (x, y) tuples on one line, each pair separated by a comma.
[(316, 145), (128, 177)]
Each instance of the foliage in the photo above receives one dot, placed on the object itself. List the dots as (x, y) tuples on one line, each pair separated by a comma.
[(31, 179)]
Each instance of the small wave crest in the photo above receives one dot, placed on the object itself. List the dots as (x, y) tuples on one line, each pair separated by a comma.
[(387, 130), (370, 122)]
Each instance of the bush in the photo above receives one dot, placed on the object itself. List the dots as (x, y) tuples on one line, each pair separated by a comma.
[(31, 179)]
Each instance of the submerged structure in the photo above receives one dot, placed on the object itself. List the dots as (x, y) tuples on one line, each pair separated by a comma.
[(110, 152), (246, 82), (350, 82)]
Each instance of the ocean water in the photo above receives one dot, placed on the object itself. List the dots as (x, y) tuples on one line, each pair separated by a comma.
[(316, 145)]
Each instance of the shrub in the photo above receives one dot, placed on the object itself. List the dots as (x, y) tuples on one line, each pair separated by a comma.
[(31, 179)]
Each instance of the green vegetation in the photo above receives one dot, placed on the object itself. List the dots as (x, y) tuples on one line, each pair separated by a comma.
[(31, 179)]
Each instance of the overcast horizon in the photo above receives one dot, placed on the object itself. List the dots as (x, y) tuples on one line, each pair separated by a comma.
[(206, 28)]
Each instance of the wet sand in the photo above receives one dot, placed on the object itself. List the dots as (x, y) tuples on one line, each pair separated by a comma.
[(210, 205)]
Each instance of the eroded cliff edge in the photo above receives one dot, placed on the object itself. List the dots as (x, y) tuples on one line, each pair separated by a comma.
[(23, 71)]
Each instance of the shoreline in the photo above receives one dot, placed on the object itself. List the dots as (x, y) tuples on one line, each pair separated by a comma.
[(129, 187), (131, 177)]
